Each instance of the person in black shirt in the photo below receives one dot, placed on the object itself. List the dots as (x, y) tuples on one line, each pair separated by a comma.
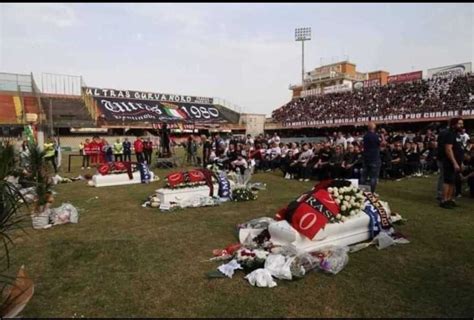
[(371, 155), (386, 159), (352, 162), (439, 163), (413, 159), (398, 161), (452, 161), (335, 163), (206, 150), (322, 166)]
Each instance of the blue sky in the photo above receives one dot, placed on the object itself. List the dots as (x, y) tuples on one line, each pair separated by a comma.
[(244, 53)]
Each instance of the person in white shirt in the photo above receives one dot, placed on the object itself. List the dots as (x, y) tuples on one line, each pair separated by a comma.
[(341, 140), (272, 158), (249, 140), (239, 165), (464, 138), (275, 138), (350, 138), (302, 163)]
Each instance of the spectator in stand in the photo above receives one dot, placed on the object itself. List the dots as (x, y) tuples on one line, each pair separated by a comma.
[(452, 161), (127, 150), (147, 150), (371, 157), (422, 96), (138, 146), (118, 150)]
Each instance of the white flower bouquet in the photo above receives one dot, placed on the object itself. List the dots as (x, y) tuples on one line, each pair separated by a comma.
[(350, 200)]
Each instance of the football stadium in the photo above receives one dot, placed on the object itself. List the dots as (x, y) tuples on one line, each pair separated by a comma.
[(122, 198)]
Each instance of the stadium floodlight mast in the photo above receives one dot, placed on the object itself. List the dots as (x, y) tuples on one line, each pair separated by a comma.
[(302, 34)]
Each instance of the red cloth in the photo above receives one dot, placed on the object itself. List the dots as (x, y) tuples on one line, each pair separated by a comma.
[(196, 176), (87, 149), (94, 152), (138, 146), (175, 178), (310, 212)]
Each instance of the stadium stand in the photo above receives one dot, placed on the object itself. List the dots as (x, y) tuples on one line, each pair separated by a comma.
[(432, 95), (67, 111), (9, 113)]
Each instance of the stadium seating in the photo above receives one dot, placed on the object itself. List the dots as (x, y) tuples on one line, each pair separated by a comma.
[(433, 95), (9, 112), (67, 111)]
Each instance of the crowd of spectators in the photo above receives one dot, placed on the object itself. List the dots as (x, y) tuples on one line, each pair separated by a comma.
[(432, 95), (338, 156)]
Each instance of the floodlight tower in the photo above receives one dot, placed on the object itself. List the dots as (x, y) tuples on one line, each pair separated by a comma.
[(302, 34)]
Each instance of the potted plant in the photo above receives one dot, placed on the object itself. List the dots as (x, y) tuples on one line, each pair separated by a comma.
[(15, 292), (42, 182)]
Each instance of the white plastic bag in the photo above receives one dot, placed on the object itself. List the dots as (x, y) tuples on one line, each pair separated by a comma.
[(261, 278), (229, 268), (335, 260), (279, 266), (66, 213)]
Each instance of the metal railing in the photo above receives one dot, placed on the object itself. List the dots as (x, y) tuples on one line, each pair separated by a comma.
[(228, 104)]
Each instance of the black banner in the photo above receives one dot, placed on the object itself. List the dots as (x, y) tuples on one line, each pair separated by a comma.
[(148, 96), (127, 110)]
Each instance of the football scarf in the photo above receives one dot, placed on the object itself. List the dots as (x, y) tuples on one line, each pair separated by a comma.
[(384, 219)]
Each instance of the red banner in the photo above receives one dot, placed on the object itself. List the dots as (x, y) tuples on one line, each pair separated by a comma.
[(405, 77)]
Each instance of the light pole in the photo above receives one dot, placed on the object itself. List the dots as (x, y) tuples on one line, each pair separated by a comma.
[(302, 34)]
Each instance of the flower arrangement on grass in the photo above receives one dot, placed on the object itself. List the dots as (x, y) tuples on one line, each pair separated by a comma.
[(243, 194), (251, 258), (350, 200)]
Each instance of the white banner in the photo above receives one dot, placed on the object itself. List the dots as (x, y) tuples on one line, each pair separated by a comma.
[(450, 71), (311, 92), (338, 88)]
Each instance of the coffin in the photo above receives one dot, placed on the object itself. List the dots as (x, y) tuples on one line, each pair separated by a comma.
[(119, 179), (353, 230), (167, 195)]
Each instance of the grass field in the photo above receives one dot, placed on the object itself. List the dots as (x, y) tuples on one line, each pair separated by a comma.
[(125, 260)]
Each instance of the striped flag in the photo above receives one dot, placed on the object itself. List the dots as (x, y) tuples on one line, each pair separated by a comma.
[(172, 110), (29, 134)]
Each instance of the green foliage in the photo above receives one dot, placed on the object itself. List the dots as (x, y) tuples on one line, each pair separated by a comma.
[(40, 176)]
